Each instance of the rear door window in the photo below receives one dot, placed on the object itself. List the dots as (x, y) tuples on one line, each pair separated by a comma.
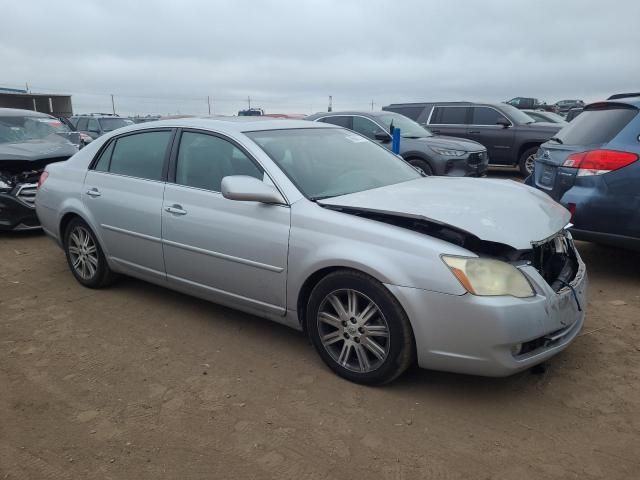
[(141, 155), (449, 116), (596, 126)]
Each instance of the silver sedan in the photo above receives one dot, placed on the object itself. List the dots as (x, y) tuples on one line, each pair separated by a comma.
[(318, 228)]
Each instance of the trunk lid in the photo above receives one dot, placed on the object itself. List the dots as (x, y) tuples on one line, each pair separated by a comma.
[(492, 210)]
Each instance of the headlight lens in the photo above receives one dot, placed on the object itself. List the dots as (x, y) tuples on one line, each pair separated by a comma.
[(4, 186), (450, 153), (486, 276)]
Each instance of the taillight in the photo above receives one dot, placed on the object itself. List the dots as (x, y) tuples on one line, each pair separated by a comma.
[(43, 177), (597, 162)]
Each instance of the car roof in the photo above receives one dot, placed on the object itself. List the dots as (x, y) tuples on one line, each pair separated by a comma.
[(18, 112), (230, 124), (632, 101), (448, 104)]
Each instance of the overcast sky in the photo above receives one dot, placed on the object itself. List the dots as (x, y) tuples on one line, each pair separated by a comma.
[(166, 56)]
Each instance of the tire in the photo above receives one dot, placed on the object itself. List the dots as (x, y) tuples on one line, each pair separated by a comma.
[(421, 165), (370, 341), (85, 257), (526, 162)]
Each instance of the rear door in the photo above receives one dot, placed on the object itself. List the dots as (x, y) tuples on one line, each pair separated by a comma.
[(123, 191), (449, 120), (498, 139)]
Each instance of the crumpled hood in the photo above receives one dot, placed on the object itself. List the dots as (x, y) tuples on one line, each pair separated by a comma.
[(449, 143), (500, 211), (37, 149)]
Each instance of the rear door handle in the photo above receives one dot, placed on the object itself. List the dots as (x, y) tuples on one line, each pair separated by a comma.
[(93, 192), (176, 209), (474, 131), (434, 131)]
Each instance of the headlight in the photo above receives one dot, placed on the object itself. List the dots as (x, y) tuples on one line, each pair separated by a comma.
[(450, 153), (485, 276), (4, 186)]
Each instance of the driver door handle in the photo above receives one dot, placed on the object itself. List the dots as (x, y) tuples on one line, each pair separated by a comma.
[(93, 192), (474, 131), (176, 209)]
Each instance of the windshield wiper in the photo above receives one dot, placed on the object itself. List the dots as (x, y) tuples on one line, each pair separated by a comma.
[(556, 139), (321, 197)]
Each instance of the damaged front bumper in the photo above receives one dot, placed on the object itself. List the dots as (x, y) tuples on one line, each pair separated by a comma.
[(17, 208), (495, 336)]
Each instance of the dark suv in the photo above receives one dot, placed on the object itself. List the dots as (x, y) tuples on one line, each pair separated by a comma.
[(97, 124), (591, 167), (428, 153), (510, 136)]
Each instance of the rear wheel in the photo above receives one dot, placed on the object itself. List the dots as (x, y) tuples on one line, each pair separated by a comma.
[(421, 165), (85, 257), (527, 161), (359, 329)]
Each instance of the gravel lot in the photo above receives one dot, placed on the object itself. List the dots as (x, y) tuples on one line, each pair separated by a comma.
[(137, 382)]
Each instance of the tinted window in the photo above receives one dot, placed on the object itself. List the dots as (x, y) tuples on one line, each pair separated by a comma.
[(596, 126), (141, 155), (82, 123), (449, 115), (366, 127), (326, 162), (486, 116), (93, 125), (103, 162), (412, 112), (204, 160), (109, 124), (344, 121)]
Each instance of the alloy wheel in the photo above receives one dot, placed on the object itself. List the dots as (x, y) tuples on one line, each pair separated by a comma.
[(83, 252), (353, 330), (530, 162)]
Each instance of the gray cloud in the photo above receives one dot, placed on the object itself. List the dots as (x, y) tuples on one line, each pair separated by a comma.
[(166, 56)]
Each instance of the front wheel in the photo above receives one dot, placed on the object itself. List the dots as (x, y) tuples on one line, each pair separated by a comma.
[(527, 161), (422, 166), (359, 329)]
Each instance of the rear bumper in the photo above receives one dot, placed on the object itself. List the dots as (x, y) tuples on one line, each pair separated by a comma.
[(16, 214), (477, 335)]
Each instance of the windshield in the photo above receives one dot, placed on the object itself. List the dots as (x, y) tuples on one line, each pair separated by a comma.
[(21, 129), (109, 124), (408, 128), (517, 116), (328, 162)]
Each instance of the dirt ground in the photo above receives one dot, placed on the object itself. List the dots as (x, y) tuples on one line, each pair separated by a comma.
[(137, 382)]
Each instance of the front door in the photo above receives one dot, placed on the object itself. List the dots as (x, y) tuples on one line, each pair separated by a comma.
[(231, 252), (498, 139), (124, 193)]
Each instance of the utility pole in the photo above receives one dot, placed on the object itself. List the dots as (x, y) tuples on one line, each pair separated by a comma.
[(330, 109), (209, 104), (372, 105), (113, 105), (26, 84), (249, 102)]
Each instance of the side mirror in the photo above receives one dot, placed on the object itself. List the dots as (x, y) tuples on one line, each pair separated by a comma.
[(504, 122), (249, 189), (383, 137)]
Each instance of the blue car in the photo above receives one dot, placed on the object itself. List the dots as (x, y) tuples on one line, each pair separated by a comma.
[(591, 167)]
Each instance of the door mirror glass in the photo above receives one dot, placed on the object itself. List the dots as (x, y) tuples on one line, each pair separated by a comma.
[(249, 189), (503, 121)]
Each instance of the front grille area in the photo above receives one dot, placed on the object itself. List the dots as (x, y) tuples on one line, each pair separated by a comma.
[(477, 158), (27, 193)]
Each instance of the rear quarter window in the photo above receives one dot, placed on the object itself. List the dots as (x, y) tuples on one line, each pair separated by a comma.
[(596, 126)]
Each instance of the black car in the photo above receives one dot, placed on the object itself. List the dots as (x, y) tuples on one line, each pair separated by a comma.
[(510, 135), (430, 154), (97, 124), (28, 142), (564, 106)]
